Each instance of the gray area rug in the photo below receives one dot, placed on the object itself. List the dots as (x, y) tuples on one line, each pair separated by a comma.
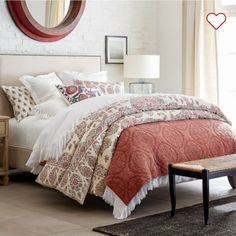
[(187, 221)]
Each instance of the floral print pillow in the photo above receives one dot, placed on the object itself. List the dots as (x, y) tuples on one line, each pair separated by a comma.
[(105, 88), (21, 101), (76, 93)]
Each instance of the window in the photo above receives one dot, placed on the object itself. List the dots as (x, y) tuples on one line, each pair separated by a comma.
[(226, 37)]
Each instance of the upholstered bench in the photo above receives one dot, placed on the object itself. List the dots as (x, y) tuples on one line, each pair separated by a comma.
[(204, 169)]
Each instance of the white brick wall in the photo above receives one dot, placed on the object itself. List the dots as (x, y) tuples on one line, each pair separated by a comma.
[(144, 22)]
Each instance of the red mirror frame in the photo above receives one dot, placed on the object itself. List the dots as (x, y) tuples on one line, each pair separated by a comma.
[(25, 21)]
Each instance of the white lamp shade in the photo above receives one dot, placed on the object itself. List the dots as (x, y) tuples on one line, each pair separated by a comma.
[(142, 66)]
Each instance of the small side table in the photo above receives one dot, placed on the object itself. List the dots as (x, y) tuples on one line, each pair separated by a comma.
[(4, 134), (140, 87)]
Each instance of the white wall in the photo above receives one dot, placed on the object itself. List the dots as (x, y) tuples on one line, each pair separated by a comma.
[(152, 27), (168, 36)]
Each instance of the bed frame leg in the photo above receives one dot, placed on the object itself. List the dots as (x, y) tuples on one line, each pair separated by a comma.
[(232, 180)]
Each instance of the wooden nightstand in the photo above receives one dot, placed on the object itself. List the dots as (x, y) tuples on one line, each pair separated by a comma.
[(4, 134)]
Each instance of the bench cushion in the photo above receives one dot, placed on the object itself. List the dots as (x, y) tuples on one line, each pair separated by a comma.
[(212, 164)]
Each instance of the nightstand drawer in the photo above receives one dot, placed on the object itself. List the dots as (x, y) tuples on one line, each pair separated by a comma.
[(2, 128)]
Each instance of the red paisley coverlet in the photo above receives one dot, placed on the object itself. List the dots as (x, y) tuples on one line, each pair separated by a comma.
[(144, 151), (82, 165)]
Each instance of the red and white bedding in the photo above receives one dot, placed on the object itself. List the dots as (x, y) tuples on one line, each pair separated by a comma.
[(122, 149), (140, 161)]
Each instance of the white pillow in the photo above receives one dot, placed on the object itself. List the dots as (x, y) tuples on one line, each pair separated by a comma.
[(69, 77), (42, 87), (49, 108)]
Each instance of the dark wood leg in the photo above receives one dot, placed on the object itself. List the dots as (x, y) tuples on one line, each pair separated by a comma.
[(172, 190), (232, 180), (205, 191), (5, 180)]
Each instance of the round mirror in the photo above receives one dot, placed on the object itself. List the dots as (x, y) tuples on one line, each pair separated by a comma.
[(46, 20), (48, 13)]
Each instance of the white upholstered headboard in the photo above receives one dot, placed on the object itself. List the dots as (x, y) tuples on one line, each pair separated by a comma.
[(14, 66)]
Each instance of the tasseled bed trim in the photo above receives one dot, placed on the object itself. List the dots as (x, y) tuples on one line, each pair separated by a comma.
[(54, 151), (36, 112), (121, 210)]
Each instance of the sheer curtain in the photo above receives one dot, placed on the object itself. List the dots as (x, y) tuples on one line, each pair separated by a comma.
[(55, 10), (200, 76)]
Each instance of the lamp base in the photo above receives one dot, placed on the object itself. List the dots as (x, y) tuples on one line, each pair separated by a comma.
[(140, 87), (141, 81)]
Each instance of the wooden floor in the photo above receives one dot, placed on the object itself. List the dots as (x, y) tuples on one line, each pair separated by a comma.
[(28, 209)]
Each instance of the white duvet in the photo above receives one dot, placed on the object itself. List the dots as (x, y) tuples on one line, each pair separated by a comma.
[(55, 135)]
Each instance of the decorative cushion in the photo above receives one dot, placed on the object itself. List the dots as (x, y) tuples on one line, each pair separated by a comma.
[(105, 88), (70, 77), (42, 87), (49, 108), (21, 101), (76, 93)]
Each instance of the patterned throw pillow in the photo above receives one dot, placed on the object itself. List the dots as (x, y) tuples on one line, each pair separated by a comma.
[(105, 88), (21, 101), (76, 93)]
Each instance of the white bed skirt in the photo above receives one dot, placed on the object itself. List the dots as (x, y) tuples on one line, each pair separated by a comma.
[(122, 211)]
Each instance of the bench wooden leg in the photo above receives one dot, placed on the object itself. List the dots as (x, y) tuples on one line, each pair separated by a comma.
[(5, 180), (172, 190), (232, 180), (205, 191)]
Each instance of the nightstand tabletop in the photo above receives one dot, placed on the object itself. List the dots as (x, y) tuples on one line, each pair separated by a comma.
[(4, 118)]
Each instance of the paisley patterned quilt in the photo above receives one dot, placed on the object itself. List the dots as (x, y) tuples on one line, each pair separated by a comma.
[(143, 152), (88, 156)]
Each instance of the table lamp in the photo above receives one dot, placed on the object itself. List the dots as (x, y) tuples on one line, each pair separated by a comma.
[(141, 67)]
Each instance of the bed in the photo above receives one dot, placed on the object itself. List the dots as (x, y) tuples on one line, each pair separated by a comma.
[(115, 146)]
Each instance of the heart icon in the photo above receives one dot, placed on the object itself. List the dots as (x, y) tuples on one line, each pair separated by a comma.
[(216, 20)]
